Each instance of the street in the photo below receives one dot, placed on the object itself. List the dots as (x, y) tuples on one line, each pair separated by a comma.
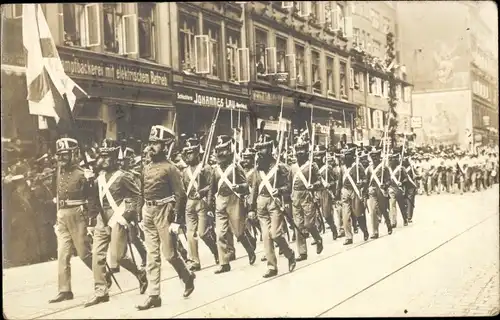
[(446, 263)]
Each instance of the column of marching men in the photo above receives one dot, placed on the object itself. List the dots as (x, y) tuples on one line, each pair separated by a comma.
[(271, 191)]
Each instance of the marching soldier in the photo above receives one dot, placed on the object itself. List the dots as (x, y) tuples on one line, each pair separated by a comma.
[(248, 164), (129, 163), (337, 206), (378, 180), (76, 204), (197, 178), (352, 180), (304, 181), (269, 183), (165, 198), (396, 194), (230, 186), (410, 186), (119, 195), (327, 193)]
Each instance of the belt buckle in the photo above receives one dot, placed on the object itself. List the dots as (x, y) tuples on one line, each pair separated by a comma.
[(62, 203)]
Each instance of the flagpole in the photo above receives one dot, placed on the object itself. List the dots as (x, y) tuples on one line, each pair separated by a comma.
[(64, 96)]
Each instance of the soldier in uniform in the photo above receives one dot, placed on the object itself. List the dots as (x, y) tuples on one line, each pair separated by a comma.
[(248, 164), (230, 186), (164, 201), (378, 180), (302, 186), (77, 202), (396, 194), (197, 178), (410, 187), (119, 195), (327, 193), (270, 181), (352, 181)]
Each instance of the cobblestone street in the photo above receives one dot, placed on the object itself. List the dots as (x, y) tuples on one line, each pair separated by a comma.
[(444, 264)]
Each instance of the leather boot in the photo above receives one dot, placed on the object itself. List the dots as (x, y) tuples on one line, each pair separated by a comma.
[(223, 268), (319, 246), (96, 300), (189, 285), (292, 263), (62, 296), (347, 242), (245, 241), (270, 273), (302, 257), (151, 302)]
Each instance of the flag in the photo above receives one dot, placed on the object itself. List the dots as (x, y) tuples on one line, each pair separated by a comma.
[(50, 90)]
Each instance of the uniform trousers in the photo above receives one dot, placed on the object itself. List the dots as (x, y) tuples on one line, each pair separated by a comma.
[(377, 206), (396, 199), (305, 218), (230, 214), (71, 233), (198, 226), (326, 204), (352, 209), (116, 239), (156, 232)]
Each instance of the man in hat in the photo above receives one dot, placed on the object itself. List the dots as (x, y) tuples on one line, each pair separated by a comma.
[(269, 183), (197, 178), (128, 162), (230, 187), (329, 181), (304, 181), (76, 203), (352, 180), (164, 204), (119, 195), (248, 164), (378, 180), (396, 193)]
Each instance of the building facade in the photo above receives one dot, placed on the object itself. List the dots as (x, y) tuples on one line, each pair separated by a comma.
[(176, 63), (448, 62)]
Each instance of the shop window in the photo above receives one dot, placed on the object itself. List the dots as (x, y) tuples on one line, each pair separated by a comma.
[(261, 44), (301, 66), (232, 45), (81, 25), (343, 80), (147, 31), (330, 77), (187, 32), (316, 78), (214, 57)]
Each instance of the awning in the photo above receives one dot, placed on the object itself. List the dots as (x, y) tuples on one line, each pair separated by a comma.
[(145, 104)]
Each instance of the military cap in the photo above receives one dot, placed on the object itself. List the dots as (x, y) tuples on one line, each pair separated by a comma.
[(319, 150), (223, 142), (160, 133), (109, 146), (248, 153), (375, 153), (191, 144), (65, 145), (349, 152), (265, 141)]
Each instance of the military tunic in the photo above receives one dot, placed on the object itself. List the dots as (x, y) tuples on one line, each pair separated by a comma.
[(378, 177)]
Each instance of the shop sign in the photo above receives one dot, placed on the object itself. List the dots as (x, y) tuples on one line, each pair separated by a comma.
[(272, 98), (274, 125), (322, 129), (416, 122), (97, 68), (214, 100)]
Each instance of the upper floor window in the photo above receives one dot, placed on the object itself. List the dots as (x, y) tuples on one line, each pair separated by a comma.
[(386, 25), (356, 36), (213, 33), (13, 11), (147, 31), (376, 49), (375, 19), (286, 63), (301, 66), (343, 80), (316, 79), (112, 13), (330, 77), (187, 33), (232, 45), (81, 25), (261, 44)]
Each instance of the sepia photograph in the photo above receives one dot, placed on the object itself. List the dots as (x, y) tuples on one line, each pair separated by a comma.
[(250, 159)]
